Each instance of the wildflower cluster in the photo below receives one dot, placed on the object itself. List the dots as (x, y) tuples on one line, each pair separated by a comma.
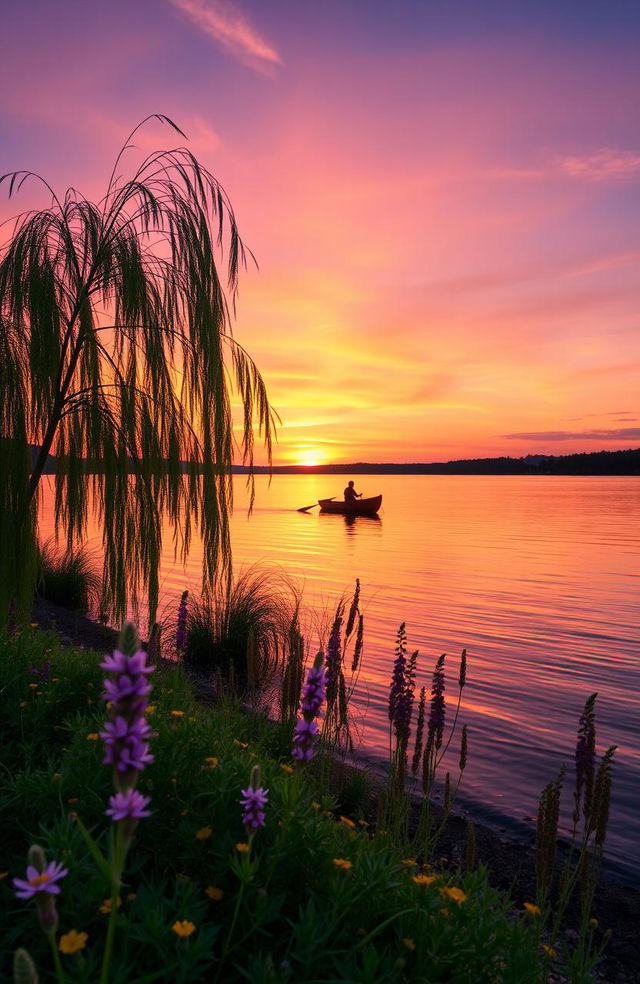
[(306, 729)]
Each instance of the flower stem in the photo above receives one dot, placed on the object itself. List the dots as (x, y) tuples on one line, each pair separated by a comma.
[(117, 864), (56, 958)]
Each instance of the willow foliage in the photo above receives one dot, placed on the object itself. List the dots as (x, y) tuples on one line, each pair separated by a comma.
[(117, 356)]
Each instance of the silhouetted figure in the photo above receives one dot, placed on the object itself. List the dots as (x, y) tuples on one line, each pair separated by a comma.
[(350, 494)]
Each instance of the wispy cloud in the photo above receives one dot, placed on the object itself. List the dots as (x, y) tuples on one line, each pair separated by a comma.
[(223, 22), (607, 164), (619, 434)]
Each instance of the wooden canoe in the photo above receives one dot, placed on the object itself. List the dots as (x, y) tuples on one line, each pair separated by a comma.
[(357, 507)]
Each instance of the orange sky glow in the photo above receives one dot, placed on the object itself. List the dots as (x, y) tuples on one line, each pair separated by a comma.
[(444, 211)]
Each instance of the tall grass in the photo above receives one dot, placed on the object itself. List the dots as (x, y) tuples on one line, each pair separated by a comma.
[(245, 634), (69, 579)]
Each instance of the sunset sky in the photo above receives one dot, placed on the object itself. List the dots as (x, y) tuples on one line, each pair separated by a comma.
[(443, 199)]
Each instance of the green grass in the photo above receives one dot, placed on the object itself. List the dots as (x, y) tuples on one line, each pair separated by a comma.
[(69, 579), (288, 913)]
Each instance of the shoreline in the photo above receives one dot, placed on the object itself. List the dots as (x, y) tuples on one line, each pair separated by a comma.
[(508, 854)]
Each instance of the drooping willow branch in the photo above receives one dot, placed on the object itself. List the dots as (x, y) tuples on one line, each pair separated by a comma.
[(117, 356)]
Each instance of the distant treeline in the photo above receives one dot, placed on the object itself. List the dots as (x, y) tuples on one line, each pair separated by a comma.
[(593, 463)]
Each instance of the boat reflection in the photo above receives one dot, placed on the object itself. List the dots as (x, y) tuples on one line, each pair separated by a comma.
[(351, 522)]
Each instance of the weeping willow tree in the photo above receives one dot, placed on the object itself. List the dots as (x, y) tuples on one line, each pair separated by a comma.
[(117, 356)]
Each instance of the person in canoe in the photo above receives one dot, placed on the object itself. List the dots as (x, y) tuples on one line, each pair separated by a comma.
[(350, 494)]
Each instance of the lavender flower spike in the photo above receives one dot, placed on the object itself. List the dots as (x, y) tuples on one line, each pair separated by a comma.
[(254, 799), (306, 729), (127, 734), (435, 727)]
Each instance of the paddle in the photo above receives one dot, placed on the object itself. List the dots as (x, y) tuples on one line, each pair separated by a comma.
[(305, 508)]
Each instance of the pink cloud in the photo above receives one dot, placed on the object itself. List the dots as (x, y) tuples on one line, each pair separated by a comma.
[(620, 434), (222, 22), (606, 164)]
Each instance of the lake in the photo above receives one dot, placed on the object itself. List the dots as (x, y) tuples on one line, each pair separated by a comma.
[(537, 577)]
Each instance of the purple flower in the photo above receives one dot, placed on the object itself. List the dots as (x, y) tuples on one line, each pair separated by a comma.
[(435, 727), (304, 736), (131, 665), (306, 730), (125, 687), (126, 735), (313, 695), (399, 674), (254, 799), (134, 756), (334, 658), (40, 882), (181, 630), (131, 805)]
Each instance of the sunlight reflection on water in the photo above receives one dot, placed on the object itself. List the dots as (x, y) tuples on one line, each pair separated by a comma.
[(537, 577)]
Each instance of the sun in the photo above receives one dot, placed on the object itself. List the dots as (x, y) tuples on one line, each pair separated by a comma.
[(309, 459)]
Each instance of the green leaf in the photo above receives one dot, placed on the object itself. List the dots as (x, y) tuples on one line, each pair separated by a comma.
[(101, 862)]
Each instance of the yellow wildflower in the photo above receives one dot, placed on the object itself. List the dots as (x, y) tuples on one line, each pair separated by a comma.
[(424, 879), (204, 833), (33, 686), (23, 703), (342, 863), (409, 943), (3, 874), (71, 942), (211, 761), (214, 893), (243, 848), (286, 768), (314, 805), (347, 822), (410, 862), (73, 799), (532, 909), (56, 680), (93, 736), (106, 906), (240, 744), (454, 893), (550, 952), (34, 625), (363, 823), (151, 709), (178, 714), (183, 927), (131, 896), (444, 912)]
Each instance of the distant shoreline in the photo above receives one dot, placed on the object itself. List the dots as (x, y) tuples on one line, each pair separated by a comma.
[(594, 463)]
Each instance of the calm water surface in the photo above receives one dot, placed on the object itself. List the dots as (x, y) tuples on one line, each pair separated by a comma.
[(538, 578)]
